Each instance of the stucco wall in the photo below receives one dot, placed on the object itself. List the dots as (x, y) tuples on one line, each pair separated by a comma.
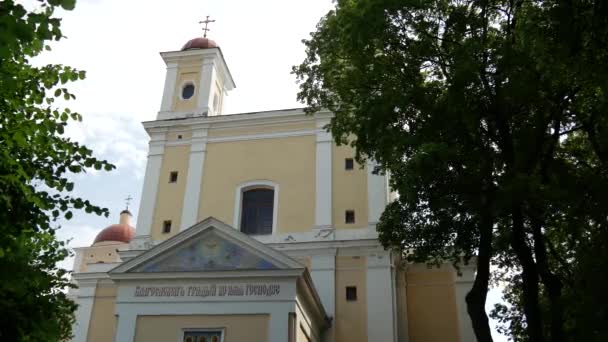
[(431, 305), (186, 74), (170, 196), (349, 189), (289, 162), (238, 328), (351, 316), (103, 321)]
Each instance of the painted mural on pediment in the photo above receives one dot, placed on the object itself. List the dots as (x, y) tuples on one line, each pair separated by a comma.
[(208, 253)]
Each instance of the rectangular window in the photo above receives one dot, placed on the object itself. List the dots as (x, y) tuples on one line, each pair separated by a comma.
[(203, 336), (173, 177), (167, 227), (257, 211), (349, 216), (349, 164), (351, 293)]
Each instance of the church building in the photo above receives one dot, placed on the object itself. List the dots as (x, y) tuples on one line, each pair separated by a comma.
[(255, 227)]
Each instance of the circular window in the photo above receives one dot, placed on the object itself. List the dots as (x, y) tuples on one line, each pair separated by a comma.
[(187, 91)]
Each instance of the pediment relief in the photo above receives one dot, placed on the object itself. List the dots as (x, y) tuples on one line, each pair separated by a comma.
[(208, 252)]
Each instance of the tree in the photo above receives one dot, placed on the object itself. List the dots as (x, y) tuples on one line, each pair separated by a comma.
[(36, 159), (489, 116)]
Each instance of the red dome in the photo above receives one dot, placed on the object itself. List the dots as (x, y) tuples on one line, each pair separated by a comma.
[(199, 43), (116, 232)]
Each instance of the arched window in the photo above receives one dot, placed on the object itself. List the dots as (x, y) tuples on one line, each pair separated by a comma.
[(257, 211), (255, 207)]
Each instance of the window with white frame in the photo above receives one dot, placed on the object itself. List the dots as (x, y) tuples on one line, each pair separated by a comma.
[(203, 336), (257, 211)]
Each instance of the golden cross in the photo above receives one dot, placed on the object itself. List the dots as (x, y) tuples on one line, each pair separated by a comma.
[(128, 200), (205, 29)]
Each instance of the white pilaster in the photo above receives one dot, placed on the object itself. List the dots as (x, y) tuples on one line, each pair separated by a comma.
[(194, 179), (380, 298), (377, 194), (150, 188), (169, 90), (125, 327), (323, 274), (463, 285), (207, 87), (85, 299), (279, 327), (323, 207)]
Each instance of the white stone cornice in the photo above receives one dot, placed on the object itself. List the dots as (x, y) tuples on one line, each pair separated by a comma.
[(240, 120)]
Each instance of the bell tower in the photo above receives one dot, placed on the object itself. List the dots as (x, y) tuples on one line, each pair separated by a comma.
[(197, 81)]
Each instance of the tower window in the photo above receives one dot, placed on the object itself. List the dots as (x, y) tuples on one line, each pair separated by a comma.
[(187, 91), (349, 216), (257, 211), (167, 227), (173, 177), (351, 293), (349, 164)]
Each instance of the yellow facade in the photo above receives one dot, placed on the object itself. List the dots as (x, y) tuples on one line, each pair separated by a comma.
[(237, 328), (189, 74), (351, 316), (349, 189), (431, 306), (288, 162), (321, 255), (170, 196), (103, 314)]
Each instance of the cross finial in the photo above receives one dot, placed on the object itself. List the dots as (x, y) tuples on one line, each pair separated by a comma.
[(205, 29), (128, 200)]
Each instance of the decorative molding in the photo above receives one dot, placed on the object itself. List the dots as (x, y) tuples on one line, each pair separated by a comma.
[(222, 229)]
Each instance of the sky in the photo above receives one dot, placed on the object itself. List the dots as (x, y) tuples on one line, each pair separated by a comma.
[(118, 42)]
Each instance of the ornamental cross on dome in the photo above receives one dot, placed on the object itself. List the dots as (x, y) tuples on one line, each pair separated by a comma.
[(205, 29), (128, 200)]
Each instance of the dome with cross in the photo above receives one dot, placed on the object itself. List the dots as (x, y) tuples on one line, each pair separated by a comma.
[(199, 43), (121, 232)]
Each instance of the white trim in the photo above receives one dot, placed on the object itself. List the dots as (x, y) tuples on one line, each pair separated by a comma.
[(207, 82), (237, 120), (323, 170), (262, 136), (182, 335), (463, 285), (169, 89), (287, 134), (181, 89), (85, 299), (149, 192), (238, 198), (323, 274), (194, 179), (279, 259), (380, 300), (377, 193)]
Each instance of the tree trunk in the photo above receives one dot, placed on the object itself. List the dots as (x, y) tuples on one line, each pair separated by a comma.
[(552, 283), (530, 286), (476, 298)]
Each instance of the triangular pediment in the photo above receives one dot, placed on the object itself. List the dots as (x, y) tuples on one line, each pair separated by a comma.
[(210, 245)]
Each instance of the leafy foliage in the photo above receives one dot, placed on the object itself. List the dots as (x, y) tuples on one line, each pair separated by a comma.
[(35, 161), (489, 116)]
